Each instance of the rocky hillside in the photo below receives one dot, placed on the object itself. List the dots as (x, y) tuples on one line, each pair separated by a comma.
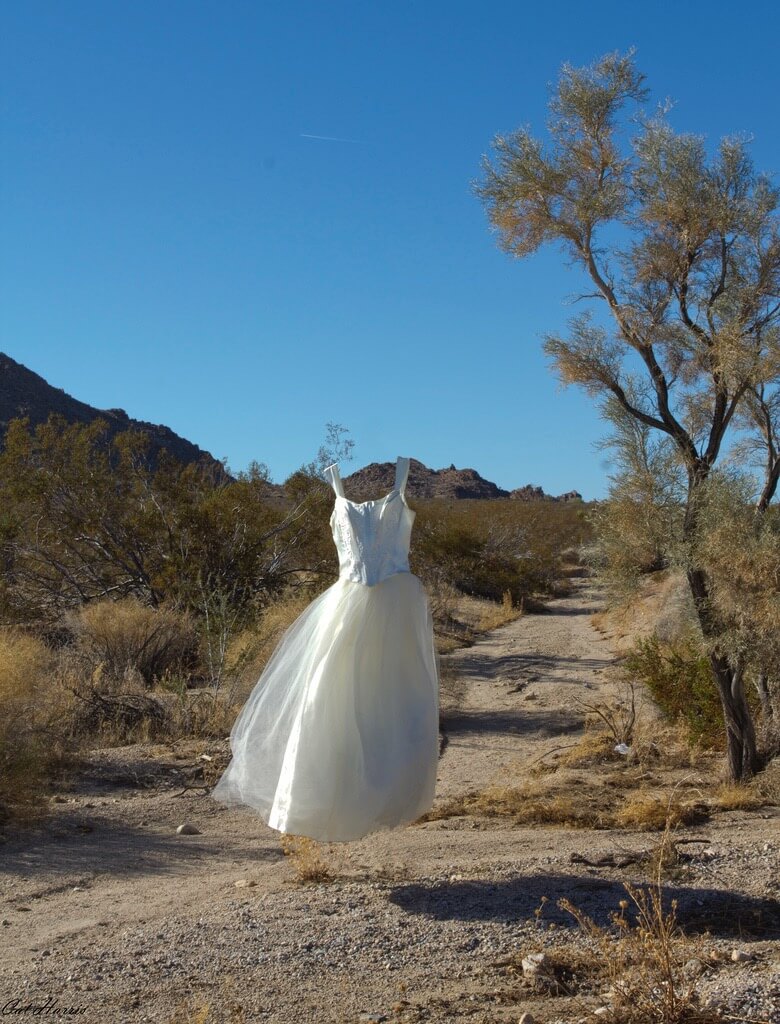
[(378, 477), (24, 393)]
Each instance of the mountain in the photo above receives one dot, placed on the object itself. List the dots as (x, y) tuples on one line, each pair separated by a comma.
[(378, 478), (24, 393)]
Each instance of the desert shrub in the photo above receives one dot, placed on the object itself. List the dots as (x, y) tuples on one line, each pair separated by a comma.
[(488, 547), (630, 540), (115, 714), (127, 637), (114, 718), (88, 513), (679, 677), (33, 740)]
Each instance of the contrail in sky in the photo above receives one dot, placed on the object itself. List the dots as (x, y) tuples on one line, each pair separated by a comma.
[(328, 138)]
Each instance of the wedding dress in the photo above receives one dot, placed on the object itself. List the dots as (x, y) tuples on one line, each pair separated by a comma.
[(339, 736)]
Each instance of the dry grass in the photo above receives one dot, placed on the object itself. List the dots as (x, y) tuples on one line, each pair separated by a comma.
[(610, 800), (646, 811), (34, 741), (452, 686), (224, 1007), (768, 783), (496, 615), (644, 956), (735, 796), (127, 639), (635, 965), (249, 651), (616, 712), (594, 748), (566, 970), (527, 804), (307, 859)]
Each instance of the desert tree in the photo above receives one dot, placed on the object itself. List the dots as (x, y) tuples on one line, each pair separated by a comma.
[(86, 517), (680, 331)]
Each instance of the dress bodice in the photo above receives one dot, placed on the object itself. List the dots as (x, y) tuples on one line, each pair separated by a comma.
[(372, 537)]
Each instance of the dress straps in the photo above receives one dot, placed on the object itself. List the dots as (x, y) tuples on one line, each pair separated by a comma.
[(401, 474), (333, 477)]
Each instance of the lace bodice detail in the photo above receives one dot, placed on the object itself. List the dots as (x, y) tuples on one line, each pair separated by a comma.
[(372, 537)]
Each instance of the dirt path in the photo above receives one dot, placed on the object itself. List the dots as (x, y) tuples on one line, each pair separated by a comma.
[(519, 690), (105, 907)]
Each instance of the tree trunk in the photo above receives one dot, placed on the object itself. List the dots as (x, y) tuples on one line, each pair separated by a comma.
[(762, 686), (743, 759)]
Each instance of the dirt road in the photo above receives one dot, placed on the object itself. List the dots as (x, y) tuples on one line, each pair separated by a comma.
[(107, 910)]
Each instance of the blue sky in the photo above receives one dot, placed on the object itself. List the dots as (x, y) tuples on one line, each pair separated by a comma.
[(175, 244)]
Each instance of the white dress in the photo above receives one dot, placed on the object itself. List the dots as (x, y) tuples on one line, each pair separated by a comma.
[(339, 737)]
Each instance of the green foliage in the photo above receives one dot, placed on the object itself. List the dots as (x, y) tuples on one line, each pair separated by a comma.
[(680, 679), (485, 548), (86, 518)]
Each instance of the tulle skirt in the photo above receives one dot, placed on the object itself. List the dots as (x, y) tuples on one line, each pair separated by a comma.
[(339, 737)]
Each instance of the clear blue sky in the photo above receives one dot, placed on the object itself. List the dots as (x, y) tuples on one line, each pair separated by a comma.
[(175, 245)]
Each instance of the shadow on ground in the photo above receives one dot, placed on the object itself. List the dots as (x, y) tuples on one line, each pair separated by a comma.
[(78, 844), (524, 720), (552, 668), (720, 912)]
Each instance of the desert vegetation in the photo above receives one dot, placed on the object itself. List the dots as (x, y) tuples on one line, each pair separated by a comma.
[(140, 602)]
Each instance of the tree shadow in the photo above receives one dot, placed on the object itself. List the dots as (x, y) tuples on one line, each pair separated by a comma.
[(718, 911), (523, 721), (77, 844), (517, 666)]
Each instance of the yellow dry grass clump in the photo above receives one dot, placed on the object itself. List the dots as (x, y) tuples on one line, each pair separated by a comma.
[(496, 615), (32, 740), (307, 859), (652, 812)]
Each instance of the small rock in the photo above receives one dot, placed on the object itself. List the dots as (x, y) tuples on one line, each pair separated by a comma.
[(245, 883), (693, 968), (188, 830), (77, 888), (5, 921), (602, 1011), (526, 1018), (534, 964), (740, 956)]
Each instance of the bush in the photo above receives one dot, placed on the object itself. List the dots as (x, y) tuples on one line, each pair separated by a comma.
[(126, 638), (488, 547), (679, 677), (33, 741)]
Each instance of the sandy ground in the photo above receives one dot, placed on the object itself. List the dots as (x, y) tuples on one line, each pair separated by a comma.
[(109, 912)]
